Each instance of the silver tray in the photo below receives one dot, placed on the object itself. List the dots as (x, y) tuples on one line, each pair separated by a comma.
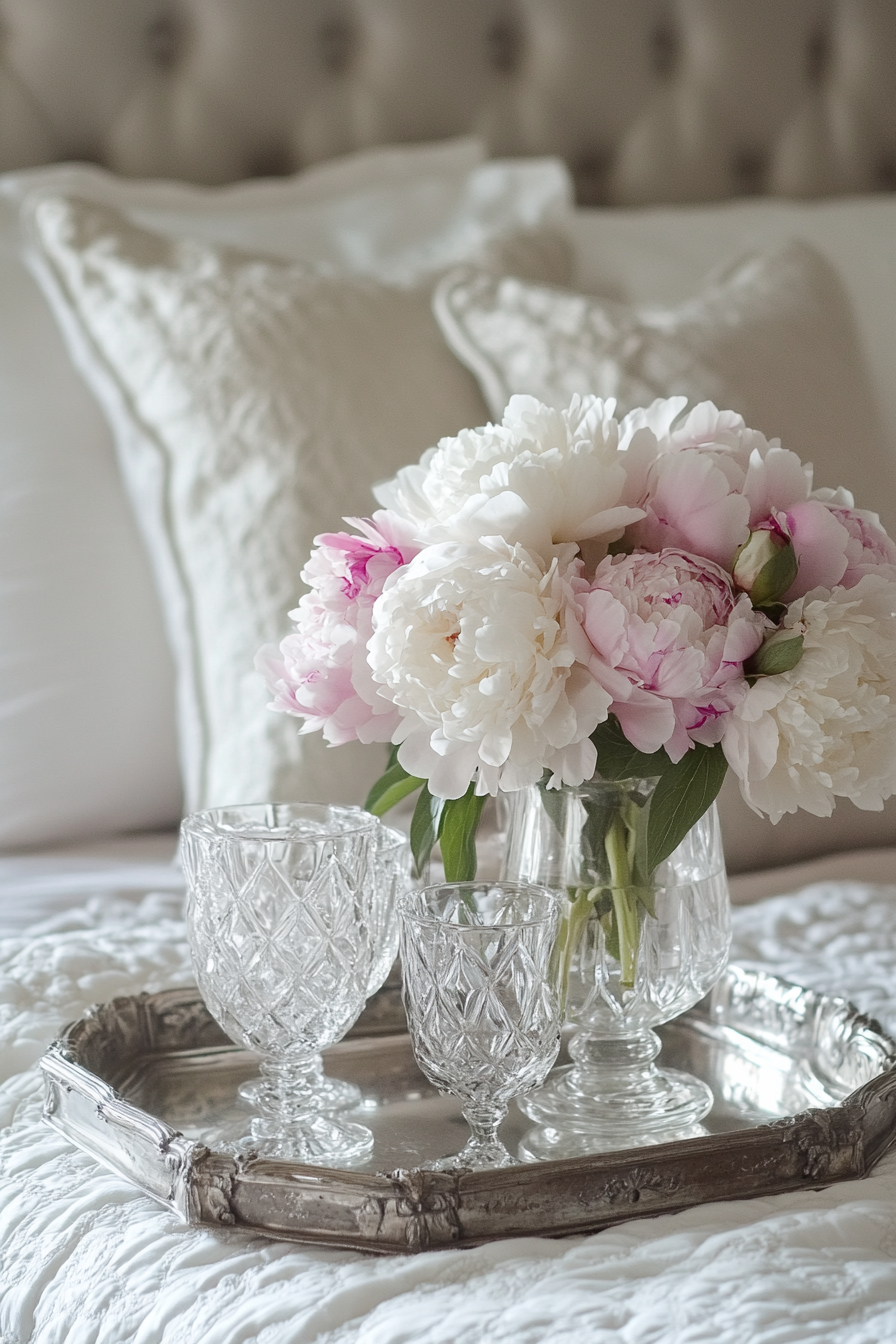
[(805, 1090)]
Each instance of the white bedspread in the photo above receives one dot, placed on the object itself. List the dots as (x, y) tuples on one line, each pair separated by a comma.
[(86, 1259)]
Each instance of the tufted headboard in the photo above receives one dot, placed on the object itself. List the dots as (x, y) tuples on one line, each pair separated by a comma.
[(648, 100)]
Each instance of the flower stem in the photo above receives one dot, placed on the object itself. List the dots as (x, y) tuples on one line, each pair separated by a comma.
[(625, 903), (575, 917)]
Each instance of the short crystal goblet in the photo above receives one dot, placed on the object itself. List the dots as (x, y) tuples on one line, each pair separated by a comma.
[(481, 999), (285, 930)]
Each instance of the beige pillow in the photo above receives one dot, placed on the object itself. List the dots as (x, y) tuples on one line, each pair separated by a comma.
[(772, 338), (254, 402)]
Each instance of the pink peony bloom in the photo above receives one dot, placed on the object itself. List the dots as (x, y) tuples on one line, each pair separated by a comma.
[(693, 501), (868, 548), (320, 671), (669, 639), (690, 481), (705, 485)]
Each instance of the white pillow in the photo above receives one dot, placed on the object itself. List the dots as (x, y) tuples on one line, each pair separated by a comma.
[(87, 731), (773, 338), (254, 402)]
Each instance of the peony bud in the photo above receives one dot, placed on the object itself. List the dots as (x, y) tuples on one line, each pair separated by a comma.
[(754, 555), (765, 566), (781, 652)]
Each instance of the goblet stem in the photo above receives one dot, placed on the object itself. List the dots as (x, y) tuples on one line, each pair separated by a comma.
[(290, 1086), (294, 1125), (278, 1090), (484, 1148)]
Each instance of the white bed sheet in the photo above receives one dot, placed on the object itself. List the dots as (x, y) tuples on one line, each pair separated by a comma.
[(86, 1259)]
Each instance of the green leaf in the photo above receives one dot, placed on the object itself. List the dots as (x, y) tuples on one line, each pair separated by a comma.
[(425, 828), (457, 835), (647, 897), (778, 655), (684, 792), (598, 820), (611, 934), (775, 577), (618, 759), (390, 788), (553, 802)]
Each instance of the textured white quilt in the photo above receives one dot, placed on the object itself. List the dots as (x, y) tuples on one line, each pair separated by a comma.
[(86, 1259)]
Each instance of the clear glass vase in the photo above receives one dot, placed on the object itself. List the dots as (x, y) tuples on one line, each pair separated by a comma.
[(635, 950)]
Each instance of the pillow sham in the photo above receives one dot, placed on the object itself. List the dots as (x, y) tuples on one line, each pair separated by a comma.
[(662, 256), (87, 705), (772, 338), (254, 402)]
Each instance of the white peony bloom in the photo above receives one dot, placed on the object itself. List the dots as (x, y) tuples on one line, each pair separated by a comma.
[(540, 478), (827, 728), (477, 646)]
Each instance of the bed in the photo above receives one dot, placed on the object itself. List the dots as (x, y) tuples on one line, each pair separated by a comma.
[(170, 171)]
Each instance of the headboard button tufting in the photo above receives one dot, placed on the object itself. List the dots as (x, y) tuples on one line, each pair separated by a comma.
[(163, 38), (648, 100)]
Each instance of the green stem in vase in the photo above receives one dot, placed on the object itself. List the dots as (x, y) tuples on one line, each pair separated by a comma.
[(577, 914), (619, 847)]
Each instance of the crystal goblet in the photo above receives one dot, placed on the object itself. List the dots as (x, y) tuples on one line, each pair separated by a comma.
[(285, 931), (481, 999), (393, 878)]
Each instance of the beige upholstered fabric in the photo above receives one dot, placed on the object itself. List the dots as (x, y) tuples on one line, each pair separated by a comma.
[(648, 100)]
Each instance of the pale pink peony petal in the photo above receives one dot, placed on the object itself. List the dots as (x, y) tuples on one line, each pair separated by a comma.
[(869, 549), (691, 505), (669, 628), (777, 481), (820, 542)]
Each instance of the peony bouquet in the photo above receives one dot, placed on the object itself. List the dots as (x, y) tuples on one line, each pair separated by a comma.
[(566, 594)]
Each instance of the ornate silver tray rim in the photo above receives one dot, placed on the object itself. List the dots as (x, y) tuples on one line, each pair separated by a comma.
[(415, 1209)]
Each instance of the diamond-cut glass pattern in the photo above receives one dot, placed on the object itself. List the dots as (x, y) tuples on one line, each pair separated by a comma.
[(393, 869), (482, 1007), (284, 924)]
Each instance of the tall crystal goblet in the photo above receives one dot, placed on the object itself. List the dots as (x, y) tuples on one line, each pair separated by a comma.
[(481, 999), (284, 928), (393, 877)]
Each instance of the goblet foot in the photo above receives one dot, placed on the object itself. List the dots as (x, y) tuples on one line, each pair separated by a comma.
[(317, 1139), (613, 1097), (295, 1122), (475, 1157)]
